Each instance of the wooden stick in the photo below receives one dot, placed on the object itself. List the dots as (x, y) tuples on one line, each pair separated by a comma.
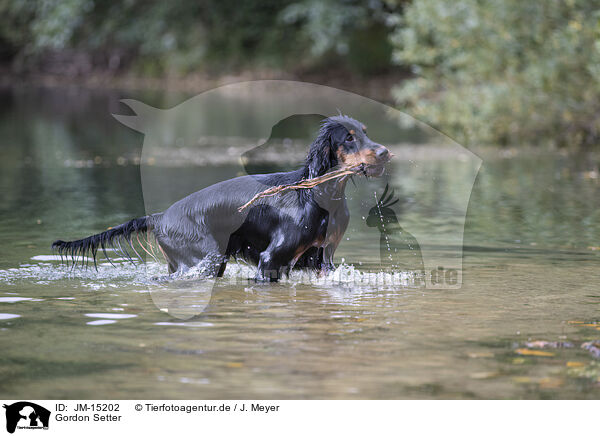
[(303, 184)]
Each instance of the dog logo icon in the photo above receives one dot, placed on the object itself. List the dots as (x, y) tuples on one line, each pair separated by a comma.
[(226, 132), (398, 248), (26, 415)]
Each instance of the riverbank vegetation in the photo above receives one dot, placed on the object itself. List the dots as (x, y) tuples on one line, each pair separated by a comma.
[(483, 72)]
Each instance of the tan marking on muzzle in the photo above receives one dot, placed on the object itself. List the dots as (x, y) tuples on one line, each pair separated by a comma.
[(367, 157)]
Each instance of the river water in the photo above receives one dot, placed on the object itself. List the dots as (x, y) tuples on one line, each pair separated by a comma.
[(519, 326)]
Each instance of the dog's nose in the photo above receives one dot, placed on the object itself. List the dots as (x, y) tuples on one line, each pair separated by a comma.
[(382, 153)]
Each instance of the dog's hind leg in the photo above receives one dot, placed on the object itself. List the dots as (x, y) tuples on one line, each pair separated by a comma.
[(311, 259), (222, 268), (327, 264), (172, 265)]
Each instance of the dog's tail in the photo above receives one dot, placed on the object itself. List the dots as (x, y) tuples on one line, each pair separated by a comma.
[(113, 237)]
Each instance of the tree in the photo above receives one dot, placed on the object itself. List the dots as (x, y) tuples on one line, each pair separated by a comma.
[(503, 71)]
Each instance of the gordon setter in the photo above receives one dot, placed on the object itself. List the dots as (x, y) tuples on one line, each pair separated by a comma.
[(299, 228)]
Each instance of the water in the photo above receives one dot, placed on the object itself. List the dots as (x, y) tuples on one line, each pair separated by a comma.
[(530, 274)]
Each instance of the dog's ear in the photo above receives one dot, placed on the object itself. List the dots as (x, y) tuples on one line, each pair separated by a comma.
[(321, 156)]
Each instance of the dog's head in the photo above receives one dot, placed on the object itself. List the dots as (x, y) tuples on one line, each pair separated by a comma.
[(343, 141)]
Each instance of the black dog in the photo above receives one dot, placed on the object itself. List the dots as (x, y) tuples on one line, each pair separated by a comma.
[(299, 227)]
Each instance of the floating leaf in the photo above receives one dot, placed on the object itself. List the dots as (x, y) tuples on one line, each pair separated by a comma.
[(521, 379), (528, 352), (575, 364), (550, 383)]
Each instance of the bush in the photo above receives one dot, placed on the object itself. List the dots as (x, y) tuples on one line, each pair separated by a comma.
[(154, 37), (503, 72)]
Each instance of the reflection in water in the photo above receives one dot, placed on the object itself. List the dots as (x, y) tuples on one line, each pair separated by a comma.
[(531, 274)]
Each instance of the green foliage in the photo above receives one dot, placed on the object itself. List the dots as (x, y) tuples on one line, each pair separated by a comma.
[(186, 35), (157, 37), (28, 27), (355, 32), (55, 21), (15, 18), (325, 22), (503, 72)]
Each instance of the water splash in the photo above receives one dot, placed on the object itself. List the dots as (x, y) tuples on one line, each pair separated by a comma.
[(107, 275), (383, 230), (152, 275)]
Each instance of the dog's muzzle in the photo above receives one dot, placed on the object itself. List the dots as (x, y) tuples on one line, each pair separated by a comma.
[(383, 156)]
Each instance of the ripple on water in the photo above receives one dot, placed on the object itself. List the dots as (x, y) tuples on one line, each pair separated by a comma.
[(107, 275), (111, 315), (185, 324), (344, 274), (9, 316), (101, 322), (17, 299), (346, 280)]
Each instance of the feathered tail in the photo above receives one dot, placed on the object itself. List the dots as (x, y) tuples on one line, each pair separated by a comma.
[(110, 238)]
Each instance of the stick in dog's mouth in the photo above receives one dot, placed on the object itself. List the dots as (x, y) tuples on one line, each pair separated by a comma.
[(311, 183), (304, 184), (376, 170)]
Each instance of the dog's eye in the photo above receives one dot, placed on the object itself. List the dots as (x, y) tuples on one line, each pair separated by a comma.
[(349, 138)]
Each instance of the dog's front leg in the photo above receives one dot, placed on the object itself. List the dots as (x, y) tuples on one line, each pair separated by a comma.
[(327, 264), (268, 269), (273, 259)]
